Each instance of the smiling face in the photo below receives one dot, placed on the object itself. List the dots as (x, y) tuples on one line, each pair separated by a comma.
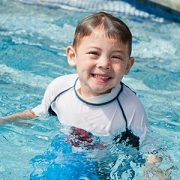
[(101, 62)]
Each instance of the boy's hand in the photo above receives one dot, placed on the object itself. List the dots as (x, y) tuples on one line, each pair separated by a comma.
[(153, 159), (28, 114), (1, 120), (153, 170)]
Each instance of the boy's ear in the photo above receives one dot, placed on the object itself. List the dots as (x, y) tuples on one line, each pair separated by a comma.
[(129, 65), (71, 55)]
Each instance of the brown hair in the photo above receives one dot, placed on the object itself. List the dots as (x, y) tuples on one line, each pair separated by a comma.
[(114, 28)]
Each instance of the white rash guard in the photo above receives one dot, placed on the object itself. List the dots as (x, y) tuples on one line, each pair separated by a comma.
[(101, 115)]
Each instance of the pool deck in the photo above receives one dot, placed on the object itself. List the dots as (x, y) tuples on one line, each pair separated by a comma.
[(172, 4), (167, 9)]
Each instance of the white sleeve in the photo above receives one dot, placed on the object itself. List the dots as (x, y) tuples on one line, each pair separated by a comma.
[(150, 143), (49, 95), (135, 113), (54, 88), (141, 129), (138, 121)]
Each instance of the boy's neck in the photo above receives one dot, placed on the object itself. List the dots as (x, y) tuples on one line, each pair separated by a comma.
[(100, 98)]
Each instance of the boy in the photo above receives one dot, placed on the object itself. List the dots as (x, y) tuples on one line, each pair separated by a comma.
[(95, 101)]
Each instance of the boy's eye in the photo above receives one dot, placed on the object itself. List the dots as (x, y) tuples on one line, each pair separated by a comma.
[(117, 58), (93, 53)]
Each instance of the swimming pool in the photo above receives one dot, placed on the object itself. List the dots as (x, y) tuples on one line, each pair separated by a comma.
[(32, 52)]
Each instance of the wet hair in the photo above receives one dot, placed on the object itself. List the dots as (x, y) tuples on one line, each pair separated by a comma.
[(114, 28)]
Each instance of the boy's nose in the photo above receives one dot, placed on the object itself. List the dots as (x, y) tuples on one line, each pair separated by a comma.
[(104, 63)]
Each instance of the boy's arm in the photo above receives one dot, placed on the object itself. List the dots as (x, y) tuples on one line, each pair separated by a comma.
[(27, 114), (152, 168)]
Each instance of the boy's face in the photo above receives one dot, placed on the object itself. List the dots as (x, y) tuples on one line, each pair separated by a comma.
[(101, 63)]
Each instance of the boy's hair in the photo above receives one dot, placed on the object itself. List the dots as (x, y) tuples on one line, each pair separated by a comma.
[(114, 28)]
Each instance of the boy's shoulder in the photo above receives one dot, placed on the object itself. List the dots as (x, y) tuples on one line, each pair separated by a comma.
[(65, 79), (127, 91), (129, 97), (62, 82)]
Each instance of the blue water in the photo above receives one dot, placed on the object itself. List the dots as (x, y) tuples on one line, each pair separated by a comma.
[(32, 53)]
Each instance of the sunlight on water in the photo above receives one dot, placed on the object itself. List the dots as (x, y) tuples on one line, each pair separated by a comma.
[(32, 53)]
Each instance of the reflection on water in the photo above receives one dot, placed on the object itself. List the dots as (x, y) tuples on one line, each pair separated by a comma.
[(32, 52)]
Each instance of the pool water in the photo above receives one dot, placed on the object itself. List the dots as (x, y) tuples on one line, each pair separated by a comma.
[(32, 53)]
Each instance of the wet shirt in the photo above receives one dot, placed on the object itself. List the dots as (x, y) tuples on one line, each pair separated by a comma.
[(117, 112)]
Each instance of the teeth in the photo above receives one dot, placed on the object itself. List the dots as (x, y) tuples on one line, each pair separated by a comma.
[(101, 76)]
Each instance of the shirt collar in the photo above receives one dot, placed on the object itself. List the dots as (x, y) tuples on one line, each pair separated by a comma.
[(101, 99)]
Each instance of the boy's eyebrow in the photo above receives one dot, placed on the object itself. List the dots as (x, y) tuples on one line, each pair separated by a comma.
[(120, 51), (116, 50), (94, 47)]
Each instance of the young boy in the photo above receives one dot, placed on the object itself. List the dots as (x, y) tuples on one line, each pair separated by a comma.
[(95, 101)]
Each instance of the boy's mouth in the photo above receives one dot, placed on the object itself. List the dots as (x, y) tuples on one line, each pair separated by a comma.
[(101, 77)]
